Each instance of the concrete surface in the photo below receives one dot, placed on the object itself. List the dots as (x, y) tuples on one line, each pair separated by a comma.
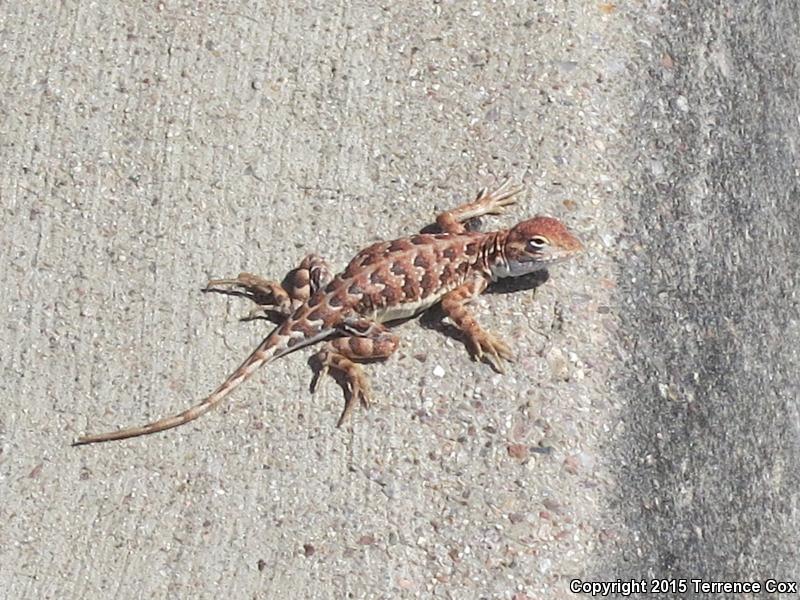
[(649, 427), (708, 442)]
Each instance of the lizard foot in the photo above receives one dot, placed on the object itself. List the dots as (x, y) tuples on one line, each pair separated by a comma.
[(495, 202), (268, 295), (349, 375), (487, 347)]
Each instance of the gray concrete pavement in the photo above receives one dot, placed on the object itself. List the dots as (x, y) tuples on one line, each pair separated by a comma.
[(708, 445), (649, 424)]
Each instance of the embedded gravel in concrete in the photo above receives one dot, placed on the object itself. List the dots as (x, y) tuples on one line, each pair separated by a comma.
[(649, 425)]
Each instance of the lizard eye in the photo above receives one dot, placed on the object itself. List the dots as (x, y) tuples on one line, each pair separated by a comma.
[(537, 242)]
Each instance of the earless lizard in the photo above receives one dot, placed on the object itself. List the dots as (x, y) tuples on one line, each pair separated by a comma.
[(386, 282)]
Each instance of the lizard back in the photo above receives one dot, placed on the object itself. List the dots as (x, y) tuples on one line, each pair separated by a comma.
[(397, 279)]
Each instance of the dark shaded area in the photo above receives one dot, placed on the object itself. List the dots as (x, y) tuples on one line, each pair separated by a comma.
[(434, 318), (707, 458)]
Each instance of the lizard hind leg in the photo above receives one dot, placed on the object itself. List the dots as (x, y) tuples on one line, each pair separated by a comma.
[(363, 341), (280, 299), (311, 275)]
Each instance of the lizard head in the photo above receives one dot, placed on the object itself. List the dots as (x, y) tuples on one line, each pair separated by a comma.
[(537, 244)]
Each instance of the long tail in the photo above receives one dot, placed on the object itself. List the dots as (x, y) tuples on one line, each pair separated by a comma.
[(274, 346)]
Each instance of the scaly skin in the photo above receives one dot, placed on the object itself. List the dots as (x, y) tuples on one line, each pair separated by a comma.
[(386, 282)]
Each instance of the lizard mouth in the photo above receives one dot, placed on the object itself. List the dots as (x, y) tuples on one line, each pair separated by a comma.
[(544, 261)]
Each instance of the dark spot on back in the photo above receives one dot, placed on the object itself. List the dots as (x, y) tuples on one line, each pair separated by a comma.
[(411, 289), (428, 283), (314, 300), (418, 240), (448, 274), (393, 295), (400, 245), (423, 261)]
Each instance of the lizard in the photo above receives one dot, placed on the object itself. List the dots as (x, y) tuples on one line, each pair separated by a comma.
[(386, 282)]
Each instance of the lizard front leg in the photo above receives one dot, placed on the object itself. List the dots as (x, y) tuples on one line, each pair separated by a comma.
[(486, 203), (270, 296), (364, 340), (481, 343)]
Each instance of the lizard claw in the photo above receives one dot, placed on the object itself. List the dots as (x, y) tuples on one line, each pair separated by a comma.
[(495, 202), (490, 349), (247, 281), (319, 377), (268, 295), (358, 392)]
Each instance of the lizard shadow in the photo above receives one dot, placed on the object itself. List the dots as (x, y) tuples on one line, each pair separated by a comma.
[(433, 318)]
